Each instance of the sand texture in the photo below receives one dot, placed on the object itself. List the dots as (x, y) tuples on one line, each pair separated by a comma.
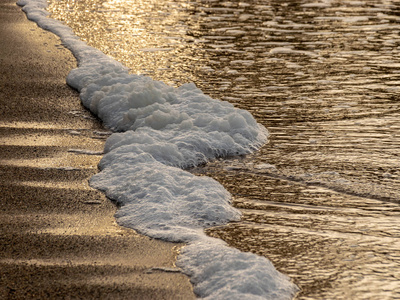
[(58, 236)]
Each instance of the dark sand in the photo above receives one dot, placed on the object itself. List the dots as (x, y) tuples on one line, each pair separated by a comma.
[(58, 237)]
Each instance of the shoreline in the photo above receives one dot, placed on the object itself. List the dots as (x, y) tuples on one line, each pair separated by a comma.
[(59, 236)]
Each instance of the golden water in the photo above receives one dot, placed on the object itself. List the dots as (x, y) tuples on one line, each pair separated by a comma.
[(321, 199)]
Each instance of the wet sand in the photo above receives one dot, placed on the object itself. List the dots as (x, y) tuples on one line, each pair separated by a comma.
[(321, 199), (58, 237)]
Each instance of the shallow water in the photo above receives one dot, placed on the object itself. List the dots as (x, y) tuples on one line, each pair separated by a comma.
[(321, 199)]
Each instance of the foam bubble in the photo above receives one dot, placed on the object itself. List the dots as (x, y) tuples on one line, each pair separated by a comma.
[(160, 130)]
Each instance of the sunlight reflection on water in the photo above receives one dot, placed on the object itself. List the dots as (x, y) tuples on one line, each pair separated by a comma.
[(321, 200)]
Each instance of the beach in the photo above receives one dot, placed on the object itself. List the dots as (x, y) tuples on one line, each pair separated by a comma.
[(288, 187), (320, 199), (59, 238)]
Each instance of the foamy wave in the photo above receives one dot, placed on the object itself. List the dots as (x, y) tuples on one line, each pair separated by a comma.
[(161, 130)]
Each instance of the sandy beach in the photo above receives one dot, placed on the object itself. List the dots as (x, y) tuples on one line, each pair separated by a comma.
[(58, 236)]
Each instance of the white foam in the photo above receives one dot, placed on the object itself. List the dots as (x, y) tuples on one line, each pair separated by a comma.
[(162, 201), (219, 272), (162, 129)]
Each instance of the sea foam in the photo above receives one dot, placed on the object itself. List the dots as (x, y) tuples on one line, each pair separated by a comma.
[(159, 131)]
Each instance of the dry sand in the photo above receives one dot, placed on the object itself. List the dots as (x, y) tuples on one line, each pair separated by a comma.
[(58, 237)]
